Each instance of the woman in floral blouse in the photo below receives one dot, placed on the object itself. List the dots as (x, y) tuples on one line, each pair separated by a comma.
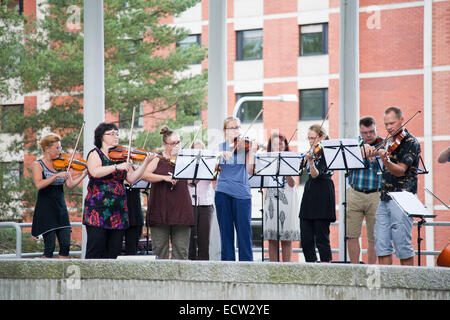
[(106, 213)]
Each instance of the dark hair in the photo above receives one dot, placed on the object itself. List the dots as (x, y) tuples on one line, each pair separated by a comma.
[(100, 131), (367, 121), (396, 110), (279, 136), (166, 132)]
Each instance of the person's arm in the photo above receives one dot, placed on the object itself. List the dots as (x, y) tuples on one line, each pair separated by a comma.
[(290, 181), (41, 183), (72, 183), (151, 177), (312, 166), (96, 170), (396, 169), (135, 175), (444, 155)]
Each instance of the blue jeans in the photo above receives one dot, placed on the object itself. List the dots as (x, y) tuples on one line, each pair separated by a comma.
[(234, 213), (392, 229)]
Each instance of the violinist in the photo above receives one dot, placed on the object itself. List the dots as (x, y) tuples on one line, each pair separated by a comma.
[(401, 160), (50, 218), (105, 207), (363, 195), (233, 198), (169, 212), (318, 205)]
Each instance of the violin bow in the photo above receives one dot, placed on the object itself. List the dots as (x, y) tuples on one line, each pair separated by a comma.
[(323, 121), (248, 129), (75, 148), (397, 131), (131, 134)]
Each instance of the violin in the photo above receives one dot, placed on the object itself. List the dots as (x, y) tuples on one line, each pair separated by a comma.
[(120, 153), (63, 161), (395, 141), (247, 144)]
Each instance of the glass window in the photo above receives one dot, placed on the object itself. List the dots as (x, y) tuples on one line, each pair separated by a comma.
[(313, 104), (249, 44), (249, 109), (313, 39), (193, 39), (125, 118)]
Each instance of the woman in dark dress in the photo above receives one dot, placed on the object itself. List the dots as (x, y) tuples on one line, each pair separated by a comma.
[(318, 206), (50, 218), (169, 212), (105, 207)]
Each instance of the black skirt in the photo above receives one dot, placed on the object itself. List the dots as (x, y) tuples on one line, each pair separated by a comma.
[(319, 201), (50, 212)]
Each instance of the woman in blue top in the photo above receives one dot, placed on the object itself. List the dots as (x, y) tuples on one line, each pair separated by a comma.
[(233, 198)]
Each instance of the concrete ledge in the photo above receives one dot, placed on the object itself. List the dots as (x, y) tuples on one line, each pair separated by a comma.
[(146, 279)]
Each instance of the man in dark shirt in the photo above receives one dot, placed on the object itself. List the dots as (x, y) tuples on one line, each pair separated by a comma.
[(393, 225)]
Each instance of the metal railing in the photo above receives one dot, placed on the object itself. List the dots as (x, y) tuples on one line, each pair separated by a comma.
[(255, 223), (19, 226)]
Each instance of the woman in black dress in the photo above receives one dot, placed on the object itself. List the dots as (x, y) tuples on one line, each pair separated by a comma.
[(318, 207), (50, 218)]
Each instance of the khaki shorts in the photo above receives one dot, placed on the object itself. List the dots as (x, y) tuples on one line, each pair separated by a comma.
[(360, 205)]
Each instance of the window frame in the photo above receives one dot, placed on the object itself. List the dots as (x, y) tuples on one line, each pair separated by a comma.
[(324, 103), (239, 95), (324, 39), (240, 45)]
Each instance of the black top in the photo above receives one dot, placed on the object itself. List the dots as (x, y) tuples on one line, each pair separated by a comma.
[(407, 153)]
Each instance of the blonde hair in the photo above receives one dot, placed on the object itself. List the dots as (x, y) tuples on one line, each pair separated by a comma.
[(230, 119), (319, 130), (48, 140)]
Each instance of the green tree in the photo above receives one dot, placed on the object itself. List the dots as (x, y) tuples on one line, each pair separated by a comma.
[(142, 64)]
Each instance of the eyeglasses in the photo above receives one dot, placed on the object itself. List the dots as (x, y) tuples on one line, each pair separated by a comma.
[(173, 144), (233, 128), (112, 134)]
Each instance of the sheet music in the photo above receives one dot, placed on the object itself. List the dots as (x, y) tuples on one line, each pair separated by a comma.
[(267, 163), (267, 181), (334, 157), (290, 163), (409, 203), (187, 160)]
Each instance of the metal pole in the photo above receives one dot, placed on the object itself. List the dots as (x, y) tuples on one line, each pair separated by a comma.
[(94, 87), (348, 92)]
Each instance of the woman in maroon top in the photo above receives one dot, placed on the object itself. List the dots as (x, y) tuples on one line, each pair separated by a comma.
[(169, 212)]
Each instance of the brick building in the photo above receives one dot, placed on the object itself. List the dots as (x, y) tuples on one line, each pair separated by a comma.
[(292, 47)]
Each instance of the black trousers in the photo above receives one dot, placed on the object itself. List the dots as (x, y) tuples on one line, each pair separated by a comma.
[(132, 236), (103, 243), (315, 233), (201, 230), (63, 235)]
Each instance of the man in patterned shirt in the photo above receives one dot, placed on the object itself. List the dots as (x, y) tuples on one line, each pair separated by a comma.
[(363, 196), (393, 225)]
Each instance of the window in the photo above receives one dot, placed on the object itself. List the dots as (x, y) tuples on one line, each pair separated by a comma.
[(193, 39), (313, 104), (14, 3), (314, 39), (10, 174), (249, 44), (8, 113), (249, 109), (125, 118)]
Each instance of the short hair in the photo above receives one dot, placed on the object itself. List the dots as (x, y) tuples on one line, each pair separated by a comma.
[(279, 136), (367, 121), (396, 110), (229, 119), (100, 131), (319, 130), (48, 140)]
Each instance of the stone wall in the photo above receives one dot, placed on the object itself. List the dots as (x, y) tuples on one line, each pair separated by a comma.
[(165, 280)]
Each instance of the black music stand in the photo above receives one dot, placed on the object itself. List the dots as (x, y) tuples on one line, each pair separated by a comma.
[(260, 183), (144, 187), (278, 165), (343, 154), (410, 204), (194, 165)]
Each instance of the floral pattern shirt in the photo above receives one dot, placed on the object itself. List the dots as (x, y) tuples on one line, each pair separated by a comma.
[(105, 205), (407, 153)]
